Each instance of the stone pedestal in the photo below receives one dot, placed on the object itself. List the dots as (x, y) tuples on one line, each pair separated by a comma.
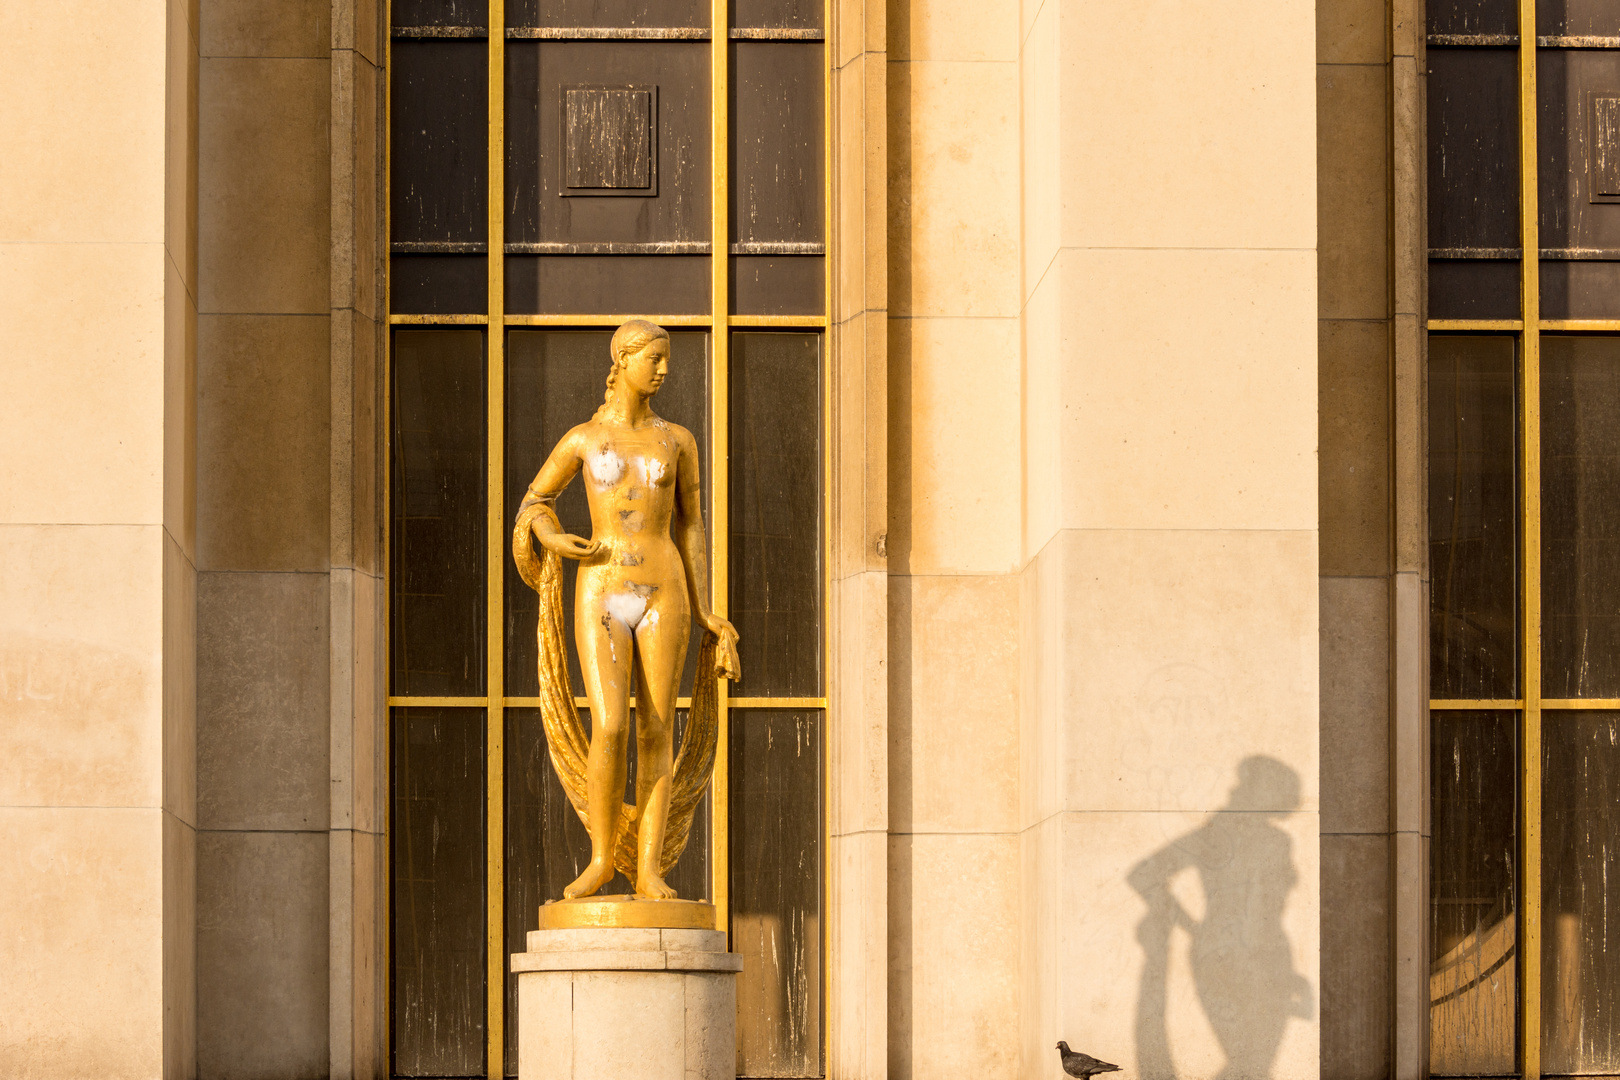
[(618, 1002)]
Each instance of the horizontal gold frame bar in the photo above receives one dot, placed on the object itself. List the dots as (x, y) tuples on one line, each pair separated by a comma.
[(604, 320), (438, 320), (1567, 325), (1459, 704), (1476, 324), (777, 320), (415, 702), (1591, 703), (424, 702), (807, 322)]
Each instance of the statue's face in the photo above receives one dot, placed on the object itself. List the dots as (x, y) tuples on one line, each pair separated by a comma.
[(646, 367)]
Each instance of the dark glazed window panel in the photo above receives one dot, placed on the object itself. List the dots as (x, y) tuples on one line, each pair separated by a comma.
[(436, 537), (439, 183), (1473, 289), (1473, 148), (440, 13), (778, 285), (607, 284), (1472, 902), (776, 512), (777, 190), (1473, 16), (1580, 516), (777, 14), (776, 874), (439, 284), (437, 861), (1580, 906), (609, 13), (1473, 510), (547, 845), (1578, 139), (555, 380), (538, 73), (1577, 18), (1580, 289)]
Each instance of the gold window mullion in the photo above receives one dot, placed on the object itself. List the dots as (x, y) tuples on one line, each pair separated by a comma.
[(1530, 533), (495, 656), (719, 439)]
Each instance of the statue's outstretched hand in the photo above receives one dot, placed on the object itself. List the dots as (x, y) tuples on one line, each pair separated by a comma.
[(726, 660), (568, 545)]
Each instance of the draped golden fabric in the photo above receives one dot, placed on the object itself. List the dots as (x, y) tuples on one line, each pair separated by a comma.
[(565, 735)]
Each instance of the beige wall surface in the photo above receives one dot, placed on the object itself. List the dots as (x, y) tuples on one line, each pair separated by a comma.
[(97, 578)]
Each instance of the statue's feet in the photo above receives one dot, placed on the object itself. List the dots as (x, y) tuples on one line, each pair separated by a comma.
[(653, 887), (596, 875)]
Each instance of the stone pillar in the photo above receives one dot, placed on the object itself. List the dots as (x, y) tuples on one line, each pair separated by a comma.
[(608, 1003)]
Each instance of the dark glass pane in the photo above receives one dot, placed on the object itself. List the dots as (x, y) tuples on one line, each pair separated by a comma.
[(1473, 509), (1578, 138), (1472, 904), (777, 14), (440, 13), (1580, 289), (610, 13), (1473, 16), (776, 889), (436, 541), (1580, 905), (1579, 18), (437, 845), (1580, 516), (776, 511), (1473, 289), (1473, 149), (778, 285), (607, 284), (438, 285), (607, 144), (777, 189), (555, 379), (439, 183)]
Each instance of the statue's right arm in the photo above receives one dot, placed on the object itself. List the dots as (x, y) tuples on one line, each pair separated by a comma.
[(540, 502)]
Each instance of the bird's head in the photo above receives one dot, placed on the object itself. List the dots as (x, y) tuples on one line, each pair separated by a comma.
[(1063, 1046)]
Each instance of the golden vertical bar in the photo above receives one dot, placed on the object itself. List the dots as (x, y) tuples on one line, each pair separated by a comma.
[(827, 60), (495, 673), (385, 848), (719, 440), (1530, 606)]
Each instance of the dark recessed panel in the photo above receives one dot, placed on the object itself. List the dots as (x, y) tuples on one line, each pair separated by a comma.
[(437, 862), (607, 284), (776, 875), (1473, 289), (777, 14), (555, 170), (437, 513), (608, 13), (1473, 515), (1578, 138), (777, 188), (1580, 289), (1473, 149), (1577, 18), (1472, 904), (776, 599), (438, 285), (778, 285), (409, 13), (439, 183), (1580, 853), (1580, 516), (1473, 17), (555, 379)]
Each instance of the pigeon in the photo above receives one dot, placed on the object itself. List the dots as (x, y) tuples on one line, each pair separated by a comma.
[(1082, 1066)]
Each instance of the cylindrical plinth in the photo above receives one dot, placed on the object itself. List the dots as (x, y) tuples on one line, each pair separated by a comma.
[(606, 1004)]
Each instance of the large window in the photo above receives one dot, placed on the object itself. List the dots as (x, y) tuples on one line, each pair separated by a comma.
[(555, 167), (1524, 513)]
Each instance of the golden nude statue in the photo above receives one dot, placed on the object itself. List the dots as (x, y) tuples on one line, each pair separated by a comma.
[(643, 575)]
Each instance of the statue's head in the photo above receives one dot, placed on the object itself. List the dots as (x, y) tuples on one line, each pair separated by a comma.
[(640, 355)]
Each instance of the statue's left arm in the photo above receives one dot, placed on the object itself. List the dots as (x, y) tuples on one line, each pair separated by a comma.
[(694, 548)]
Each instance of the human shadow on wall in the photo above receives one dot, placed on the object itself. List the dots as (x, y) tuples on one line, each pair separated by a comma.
[(1241, 964)]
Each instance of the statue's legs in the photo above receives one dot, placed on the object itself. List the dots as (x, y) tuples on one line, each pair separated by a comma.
[(660, 655), (605, 646)]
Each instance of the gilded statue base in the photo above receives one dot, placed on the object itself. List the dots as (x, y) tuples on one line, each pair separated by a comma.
[(620, 1002), (621, 910)]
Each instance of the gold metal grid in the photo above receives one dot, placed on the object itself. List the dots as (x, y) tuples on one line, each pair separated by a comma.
[(719, 320)]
